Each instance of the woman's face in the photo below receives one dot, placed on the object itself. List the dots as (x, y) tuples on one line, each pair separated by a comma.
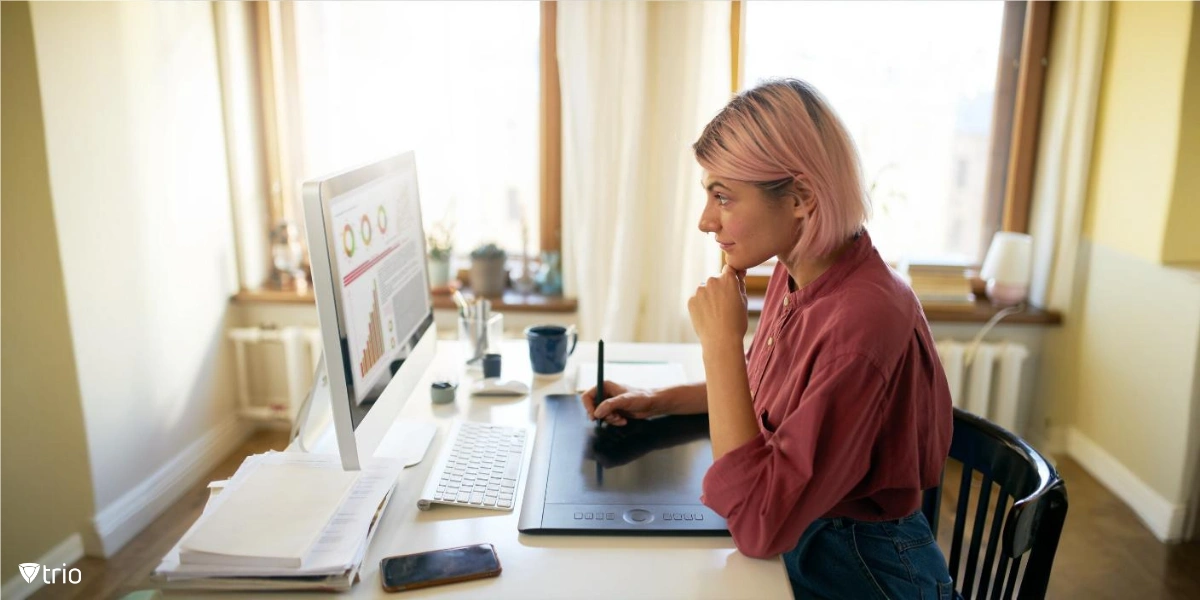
[(747, 222)]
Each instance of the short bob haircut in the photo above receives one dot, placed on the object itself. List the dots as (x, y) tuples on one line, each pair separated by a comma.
[(783, 131)]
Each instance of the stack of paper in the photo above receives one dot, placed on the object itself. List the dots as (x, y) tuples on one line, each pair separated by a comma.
[(646, 375), (283, 521)]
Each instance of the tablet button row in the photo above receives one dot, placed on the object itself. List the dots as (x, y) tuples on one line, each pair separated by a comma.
[(683, 516), (599, 516)]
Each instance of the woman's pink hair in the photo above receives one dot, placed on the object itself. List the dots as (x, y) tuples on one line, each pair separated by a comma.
[(783, 131)]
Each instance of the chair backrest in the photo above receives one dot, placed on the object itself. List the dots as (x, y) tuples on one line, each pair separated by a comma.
[(1031, 525)]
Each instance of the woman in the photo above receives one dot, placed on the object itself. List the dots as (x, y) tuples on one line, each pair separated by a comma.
[(825, 434)]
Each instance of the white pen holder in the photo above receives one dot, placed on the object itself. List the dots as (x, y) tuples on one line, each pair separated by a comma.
[(481, 340)]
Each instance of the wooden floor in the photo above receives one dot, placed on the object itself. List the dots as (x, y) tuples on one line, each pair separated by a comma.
[(1105, 552)]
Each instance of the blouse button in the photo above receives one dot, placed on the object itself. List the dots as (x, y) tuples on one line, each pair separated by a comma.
[(786, 300), (770, 341)]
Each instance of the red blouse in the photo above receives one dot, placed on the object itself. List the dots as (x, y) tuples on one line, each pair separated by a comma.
[(854, 410)]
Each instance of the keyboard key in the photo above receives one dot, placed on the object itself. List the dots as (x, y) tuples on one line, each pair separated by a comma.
[(513, 468)]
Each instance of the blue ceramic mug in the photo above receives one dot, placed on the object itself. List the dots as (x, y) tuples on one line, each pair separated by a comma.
[(549, 347)]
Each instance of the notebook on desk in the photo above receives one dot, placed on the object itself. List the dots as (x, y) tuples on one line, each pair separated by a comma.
[(272, 519), (331, 562)]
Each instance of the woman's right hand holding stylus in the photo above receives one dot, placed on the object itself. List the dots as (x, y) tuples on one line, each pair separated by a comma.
[(623, 403)]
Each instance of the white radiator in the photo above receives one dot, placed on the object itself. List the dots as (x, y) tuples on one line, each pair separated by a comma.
[(281, 385), (991, 386)]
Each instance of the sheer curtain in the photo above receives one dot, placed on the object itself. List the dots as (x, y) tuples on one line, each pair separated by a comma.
[(1065, 150), (639, 82)]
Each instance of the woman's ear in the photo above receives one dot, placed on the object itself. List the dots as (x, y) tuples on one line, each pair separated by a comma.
[(803, 198)]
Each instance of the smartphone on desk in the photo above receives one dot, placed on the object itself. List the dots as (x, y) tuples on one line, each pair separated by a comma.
[(438, 567)]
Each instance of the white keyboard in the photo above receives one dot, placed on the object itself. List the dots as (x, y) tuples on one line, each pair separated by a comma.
[(478, 466)]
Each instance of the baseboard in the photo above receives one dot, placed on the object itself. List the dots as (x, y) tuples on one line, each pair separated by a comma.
[(65, 553), (1164, 518), (120, 521), (1052, 442)]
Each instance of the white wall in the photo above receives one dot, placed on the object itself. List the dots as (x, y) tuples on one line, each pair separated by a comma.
[(136, 153)]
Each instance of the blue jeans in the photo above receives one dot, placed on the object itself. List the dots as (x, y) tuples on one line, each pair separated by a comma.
[(845, 558)]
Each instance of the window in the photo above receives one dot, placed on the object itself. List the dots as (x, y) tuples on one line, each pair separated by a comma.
[(471, 87), (459, 84), (924, 93)]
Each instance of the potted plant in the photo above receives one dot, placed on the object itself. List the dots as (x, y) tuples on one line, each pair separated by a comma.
[(439, 241), (489, 274)]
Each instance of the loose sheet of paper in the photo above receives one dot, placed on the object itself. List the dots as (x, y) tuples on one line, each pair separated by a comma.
[(407, 441), (646, 375)]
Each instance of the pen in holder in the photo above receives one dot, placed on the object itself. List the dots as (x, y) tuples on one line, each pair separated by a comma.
[(482, 332)]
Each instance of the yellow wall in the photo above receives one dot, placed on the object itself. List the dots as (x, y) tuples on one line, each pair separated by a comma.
[(1137, 133), (1182, 244), (1137, 358), (47, 488), (1135, 326)]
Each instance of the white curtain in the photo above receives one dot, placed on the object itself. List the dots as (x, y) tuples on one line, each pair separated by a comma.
[(1065, 148), (639, 82)]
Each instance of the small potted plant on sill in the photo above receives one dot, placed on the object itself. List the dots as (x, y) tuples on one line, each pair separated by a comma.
[(439, 240), (489, 272)]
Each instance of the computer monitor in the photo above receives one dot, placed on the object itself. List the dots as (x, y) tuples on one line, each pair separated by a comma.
[(367, 250)]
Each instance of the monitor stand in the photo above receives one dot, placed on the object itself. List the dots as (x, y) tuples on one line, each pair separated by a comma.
[(407, 440)]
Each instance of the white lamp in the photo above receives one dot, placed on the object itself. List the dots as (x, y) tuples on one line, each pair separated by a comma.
[(1007, 268)]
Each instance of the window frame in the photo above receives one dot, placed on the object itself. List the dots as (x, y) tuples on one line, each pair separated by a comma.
[(1020, 79)]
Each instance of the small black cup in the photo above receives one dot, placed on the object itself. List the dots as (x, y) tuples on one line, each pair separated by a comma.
[(491, 365)]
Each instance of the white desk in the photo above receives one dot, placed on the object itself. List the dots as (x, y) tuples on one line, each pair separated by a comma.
[(537, 566)]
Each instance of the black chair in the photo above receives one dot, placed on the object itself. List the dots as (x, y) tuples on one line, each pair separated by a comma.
[(1032, 525)]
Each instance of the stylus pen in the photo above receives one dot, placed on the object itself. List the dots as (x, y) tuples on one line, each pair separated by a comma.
[(600, 373)]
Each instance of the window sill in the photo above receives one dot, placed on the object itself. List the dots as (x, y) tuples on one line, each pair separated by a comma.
[(511, 301), (266, 296), (978, 312)]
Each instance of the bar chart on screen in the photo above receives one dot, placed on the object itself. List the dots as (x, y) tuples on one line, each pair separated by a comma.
[(375, 345)]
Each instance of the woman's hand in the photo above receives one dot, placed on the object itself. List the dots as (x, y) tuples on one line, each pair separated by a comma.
[(718, 309), (623, 403)]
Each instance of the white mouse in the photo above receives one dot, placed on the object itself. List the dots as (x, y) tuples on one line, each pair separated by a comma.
[(494, 386)]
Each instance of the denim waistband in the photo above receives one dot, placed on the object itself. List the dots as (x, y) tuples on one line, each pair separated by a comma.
[(844, 522)]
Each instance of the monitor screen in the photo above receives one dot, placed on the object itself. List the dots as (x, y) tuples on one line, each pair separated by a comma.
[(367, 249), (383, 291)]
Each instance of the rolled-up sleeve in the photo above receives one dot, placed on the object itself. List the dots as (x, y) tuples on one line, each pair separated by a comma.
[(770, 489)]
